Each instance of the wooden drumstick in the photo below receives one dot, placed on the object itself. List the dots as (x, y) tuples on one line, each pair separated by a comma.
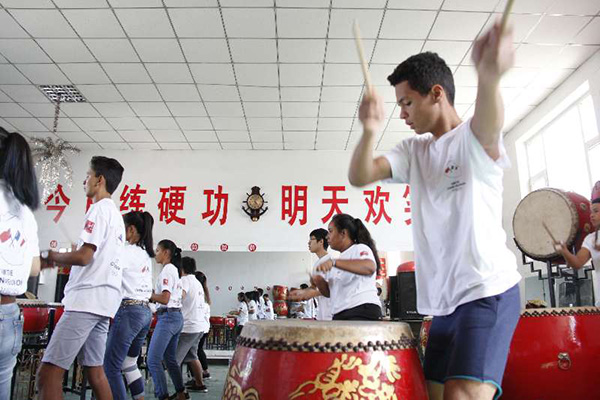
[(549, 232), (361, 56), (505, 14)]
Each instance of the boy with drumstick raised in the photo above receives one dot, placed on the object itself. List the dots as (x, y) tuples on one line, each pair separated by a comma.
[(466, 276)]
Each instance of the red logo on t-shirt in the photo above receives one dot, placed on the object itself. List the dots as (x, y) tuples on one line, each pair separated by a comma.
[(165, 281), (89, 226), (364, 253)]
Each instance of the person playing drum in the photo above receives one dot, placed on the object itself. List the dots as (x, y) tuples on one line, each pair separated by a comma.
[(466, 276)]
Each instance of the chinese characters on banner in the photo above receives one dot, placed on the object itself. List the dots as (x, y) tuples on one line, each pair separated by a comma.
[(294, 203)]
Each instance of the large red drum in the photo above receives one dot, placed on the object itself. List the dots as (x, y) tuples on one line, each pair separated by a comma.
[(566, 214), (217, 320), (35, 315), (231, 322), (280, 292), (338, 359), (280, 307), (59, 309), (554, 355)]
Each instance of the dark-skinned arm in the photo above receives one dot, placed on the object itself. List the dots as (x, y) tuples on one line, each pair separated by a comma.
[(321, 284), (162, 298), (81, 257)]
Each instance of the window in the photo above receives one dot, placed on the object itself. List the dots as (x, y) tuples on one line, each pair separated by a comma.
[(566, 152)]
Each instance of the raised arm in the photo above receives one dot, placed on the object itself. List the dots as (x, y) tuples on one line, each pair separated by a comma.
[(493, 55), (363, 168), (81, 257)]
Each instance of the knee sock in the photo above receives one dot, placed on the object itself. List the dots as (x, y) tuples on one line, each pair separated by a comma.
[(133, 376)]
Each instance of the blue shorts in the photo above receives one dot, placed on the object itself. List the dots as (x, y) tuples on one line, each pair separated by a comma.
[(472, 343)]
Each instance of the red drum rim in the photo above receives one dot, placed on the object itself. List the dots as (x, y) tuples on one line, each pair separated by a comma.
[(27, 303)]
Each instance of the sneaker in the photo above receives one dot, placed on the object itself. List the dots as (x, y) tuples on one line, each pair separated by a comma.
[(205, 375), (198, 388), (191, 382), (174, 396)]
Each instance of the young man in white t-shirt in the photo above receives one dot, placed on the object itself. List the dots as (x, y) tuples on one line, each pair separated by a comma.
[(93, 293), (466, 276), (318, 245), (241, 313)]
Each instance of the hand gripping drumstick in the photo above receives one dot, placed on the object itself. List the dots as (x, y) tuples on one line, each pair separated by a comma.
[(505, 14), (549, 233), (361, 56)]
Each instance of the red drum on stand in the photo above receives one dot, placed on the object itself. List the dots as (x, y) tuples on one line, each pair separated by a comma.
[(231, 322), (59, 309), (280, 292), (338, 359), (553, 355), (566, 214), (217, 320), (280, 307), (35, 315)]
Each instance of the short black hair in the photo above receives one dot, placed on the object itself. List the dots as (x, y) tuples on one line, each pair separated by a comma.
[(188, 264), (304, 286), (423, 71), (321, 234), (110, 169)]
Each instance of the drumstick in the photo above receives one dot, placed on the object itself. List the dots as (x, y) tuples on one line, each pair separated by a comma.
[(361, 56), (549, 232), (507, 9)]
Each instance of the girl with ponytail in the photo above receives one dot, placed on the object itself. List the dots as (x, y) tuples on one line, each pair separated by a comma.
[(163, 345), (132, 321), (206, 324), (349, 281)]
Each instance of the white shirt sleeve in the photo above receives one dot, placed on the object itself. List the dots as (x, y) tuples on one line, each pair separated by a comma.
[(165, 281), (588, 242), (185, 285), (94, 229), (399, 159), (364, 252)]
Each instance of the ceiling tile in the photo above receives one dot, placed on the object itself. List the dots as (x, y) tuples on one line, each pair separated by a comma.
[(299, 137), (187, 109), (294, 109), (43, 23), (302, 23), (114, 146), (299, 124), (144, 146), (451, 51), (66, 50), (75, 137), (64, 124), (43, 74), (170, 73), (179, 92), (335, 124), (158, 50), (27, 4), (81, 3), (557, 29), (470, 5), (519, 77), (301, 50), (85, 73), (194, 123), (139, 92), (79, 110), (300, 93), (92, 124), (358, 4), (132, 124), (458, 25), (88, 146), (256, 74), (590, 34), (99, 93), (237, 146), (150, 23), (341, 25), (299, 145), (9, 28), (201, 136), (95, 23), (203, 22), (9, 74), (205, 50), (224, 109), (267, 146), (337, 109), (264, 124), (232, 124), (574, 56), (538, 56), (339, 50), (415, 24), (258, 94), (341, 145), (127, 73), (112, 50), (220, 92), (526, 6), (242, 23), (104, 136), (253, 50), (574, 7), (13, 110), (213, 73), (300, 3), (465, 95), (550, 78), (266, 136), (150, 109), (262, 109), (395, 51), (159, 123), (342, 74), (22, 51), (121, 109), (465, 76), (332, 137), (174, 146), (137, 136), (300, 74), (135, 3), (39, 109), (24, 93), (244, 3), (344, 94), (418, 4), (168, 135), (233, 136), (205, 146), (522, 24)]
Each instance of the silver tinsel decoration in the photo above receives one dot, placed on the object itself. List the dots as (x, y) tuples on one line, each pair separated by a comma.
[(51, 158)]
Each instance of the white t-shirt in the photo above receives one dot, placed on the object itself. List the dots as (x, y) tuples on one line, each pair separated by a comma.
[(252, 307), (137, 273), (269, 313), (169, 280), (205, 320), (347, 289), (18, 243), (243, 313), (261, 308), (456, 199), (324, 303), (588, 243), (192, 304), (96, 287)]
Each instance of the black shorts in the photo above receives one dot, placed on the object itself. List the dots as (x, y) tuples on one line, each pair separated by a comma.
[(364, 312)]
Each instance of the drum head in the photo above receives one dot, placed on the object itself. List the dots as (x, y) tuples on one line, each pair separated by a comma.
[(31, 303), (309, 333), (549, 206)]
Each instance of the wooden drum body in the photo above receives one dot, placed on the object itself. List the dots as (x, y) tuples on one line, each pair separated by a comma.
[(566, 214), (554, 355), (296, 359), (35, 315), (280, 293)]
